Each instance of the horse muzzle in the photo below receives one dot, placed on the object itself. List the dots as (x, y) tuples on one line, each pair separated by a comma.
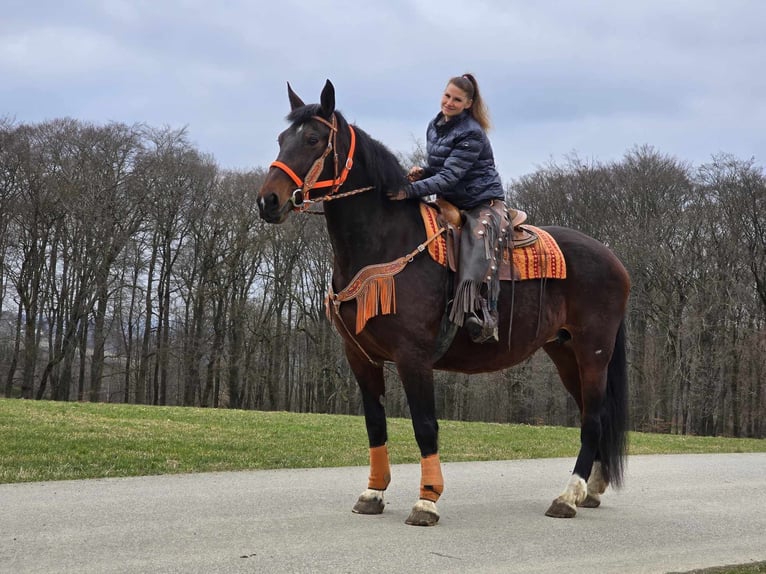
[(273, 211)]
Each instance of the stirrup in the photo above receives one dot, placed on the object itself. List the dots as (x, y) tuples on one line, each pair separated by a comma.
[(481, 331)]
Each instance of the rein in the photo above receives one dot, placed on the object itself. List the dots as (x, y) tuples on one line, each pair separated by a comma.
[(301, 198)]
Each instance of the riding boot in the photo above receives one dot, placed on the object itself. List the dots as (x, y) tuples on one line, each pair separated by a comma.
[(485, 329)]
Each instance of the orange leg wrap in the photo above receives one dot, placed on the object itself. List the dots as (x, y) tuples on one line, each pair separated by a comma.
[(431, 480), (380, 470)]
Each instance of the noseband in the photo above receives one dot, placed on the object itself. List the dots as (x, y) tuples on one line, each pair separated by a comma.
[(309, 182)]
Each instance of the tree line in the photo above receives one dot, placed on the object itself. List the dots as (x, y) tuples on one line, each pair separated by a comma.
[(133, 269)]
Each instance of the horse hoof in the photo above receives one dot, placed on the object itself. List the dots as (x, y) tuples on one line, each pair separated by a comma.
[(370, 502), (560, 509), (591, 501), (424, 513)]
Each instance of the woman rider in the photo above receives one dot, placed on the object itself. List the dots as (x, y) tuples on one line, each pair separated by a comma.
[(461, 169)]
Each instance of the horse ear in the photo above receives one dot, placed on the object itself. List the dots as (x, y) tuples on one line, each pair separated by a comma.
[(295, 101), (328, 99)]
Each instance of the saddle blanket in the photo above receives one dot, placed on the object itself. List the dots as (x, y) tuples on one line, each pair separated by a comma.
[(542, 259)]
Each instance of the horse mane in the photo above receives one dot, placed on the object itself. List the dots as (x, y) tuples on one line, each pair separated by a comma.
[(381, 165)]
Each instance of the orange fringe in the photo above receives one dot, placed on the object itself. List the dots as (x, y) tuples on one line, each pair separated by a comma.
[(377, 297)]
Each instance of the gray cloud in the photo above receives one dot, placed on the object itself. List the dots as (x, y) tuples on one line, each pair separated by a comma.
[(593, 77)]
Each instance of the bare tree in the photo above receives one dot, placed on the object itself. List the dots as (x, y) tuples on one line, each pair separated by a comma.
[(37, 210), (180, 180)]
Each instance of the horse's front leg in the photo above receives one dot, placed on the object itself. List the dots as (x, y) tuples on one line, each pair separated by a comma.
[(419, 386), (372, 386)]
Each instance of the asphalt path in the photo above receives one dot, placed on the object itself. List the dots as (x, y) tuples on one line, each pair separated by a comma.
[(675, 513)]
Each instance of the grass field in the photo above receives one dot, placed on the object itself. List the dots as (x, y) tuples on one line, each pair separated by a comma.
[(42, 440)]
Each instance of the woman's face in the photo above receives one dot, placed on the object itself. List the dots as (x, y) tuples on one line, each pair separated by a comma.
[(454, 101)]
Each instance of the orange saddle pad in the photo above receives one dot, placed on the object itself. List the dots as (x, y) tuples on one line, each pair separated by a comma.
[(540, 260)]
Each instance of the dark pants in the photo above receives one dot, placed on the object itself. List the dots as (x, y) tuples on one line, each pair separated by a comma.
[(478, 285)]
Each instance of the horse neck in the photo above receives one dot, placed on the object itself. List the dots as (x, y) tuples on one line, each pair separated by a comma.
[(368, 228)]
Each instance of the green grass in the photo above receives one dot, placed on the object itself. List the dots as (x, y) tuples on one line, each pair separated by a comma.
[(57, 441)]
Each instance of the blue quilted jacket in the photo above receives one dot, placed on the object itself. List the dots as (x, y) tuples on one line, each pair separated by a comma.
[(461, 166)]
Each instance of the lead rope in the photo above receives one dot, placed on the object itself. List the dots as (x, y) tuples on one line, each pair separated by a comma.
[(306, 205)]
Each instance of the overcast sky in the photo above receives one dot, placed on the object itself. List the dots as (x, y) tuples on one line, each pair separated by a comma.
[(591, 78)]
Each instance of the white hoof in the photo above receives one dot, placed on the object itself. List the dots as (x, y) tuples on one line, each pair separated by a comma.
[(424, 513), (370, 502), (596, 483), (575, 492)]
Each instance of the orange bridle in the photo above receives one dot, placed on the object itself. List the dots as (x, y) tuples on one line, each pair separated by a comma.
[(310, 182)]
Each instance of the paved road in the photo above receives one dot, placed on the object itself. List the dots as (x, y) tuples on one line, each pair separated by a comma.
[(675, 513)]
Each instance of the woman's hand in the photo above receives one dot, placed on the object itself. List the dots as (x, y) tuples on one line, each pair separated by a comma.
[(415, 173)]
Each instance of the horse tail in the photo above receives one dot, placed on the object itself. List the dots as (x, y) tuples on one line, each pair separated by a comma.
[(614, 417)]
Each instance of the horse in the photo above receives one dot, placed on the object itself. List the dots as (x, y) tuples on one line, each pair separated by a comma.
[(579, 321)]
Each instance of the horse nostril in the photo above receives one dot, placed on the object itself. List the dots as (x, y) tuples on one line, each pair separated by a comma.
[(268, 204)]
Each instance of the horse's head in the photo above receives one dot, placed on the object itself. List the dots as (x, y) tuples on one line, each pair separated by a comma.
[(306, 153)]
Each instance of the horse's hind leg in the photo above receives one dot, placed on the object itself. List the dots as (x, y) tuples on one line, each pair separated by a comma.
[(576, 492), (372, 386), (587, 386), (596, 486)]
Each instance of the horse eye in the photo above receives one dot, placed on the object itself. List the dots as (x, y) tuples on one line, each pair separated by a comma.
[(313, 140)]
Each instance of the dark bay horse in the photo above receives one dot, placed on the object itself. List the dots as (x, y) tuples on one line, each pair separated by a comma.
[(578, 321)]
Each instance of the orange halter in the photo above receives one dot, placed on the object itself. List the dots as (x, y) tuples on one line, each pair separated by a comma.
[(310, 182)]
